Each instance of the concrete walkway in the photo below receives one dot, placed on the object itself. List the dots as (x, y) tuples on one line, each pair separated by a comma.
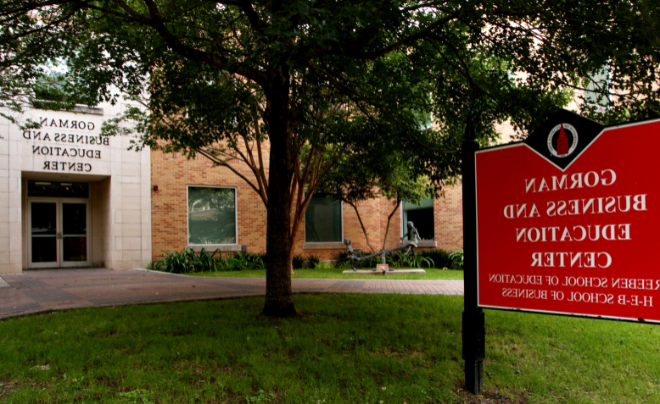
[(41, 291)]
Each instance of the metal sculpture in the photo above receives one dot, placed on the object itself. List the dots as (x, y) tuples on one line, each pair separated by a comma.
[(412, 234)]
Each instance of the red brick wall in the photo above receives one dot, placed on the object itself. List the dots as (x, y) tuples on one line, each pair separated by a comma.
[(172, 173), (369, 212), (394, 235), (448, 218)]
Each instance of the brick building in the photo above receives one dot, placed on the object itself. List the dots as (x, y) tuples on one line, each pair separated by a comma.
[(70, 198), (177, 200)]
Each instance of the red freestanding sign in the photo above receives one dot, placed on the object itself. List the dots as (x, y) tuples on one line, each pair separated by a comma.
[(568, 221)]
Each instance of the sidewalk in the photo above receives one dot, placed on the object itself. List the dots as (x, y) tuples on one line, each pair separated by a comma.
[(40, 291)]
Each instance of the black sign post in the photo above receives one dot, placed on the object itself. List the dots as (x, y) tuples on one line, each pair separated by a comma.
[(474, 341)]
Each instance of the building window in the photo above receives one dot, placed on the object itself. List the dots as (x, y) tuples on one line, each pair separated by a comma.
[(323, 220), (211, 215), (422, 217)]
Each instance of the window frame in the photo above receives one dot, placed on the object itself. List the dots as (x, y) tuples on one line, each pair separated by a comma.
[(341, 239), (404, 225), (188, 186)]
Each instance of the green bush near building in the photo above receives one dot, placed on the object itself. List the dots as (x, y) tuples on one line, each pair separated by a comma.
[(435, 258), (189, 262)]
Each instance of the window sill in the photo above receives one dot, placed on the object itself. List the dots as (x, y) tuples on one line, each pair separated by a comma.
[(324, 246), (213, 247), (422, 243)]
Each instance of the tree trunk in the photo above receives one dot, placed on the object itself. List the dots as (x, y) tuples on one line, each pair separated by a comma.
[(366, 236), (387, 229), (279, 302)]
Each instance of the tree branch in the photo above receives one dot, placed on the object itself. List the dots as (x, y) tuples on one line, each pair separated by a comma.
[(387, 229), (218, 61), (217, 162), (364, 230)]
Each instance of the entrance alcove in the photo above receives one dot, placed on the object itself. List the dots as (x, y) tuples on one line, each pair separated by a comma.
[(66, 220)]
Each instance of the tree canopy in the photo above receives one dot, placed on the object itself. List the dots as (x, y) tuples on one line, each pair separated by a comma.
[(352, 77)]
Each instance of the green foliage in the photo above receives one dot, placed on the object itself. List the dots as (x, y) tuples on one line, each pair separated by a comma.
[(343, 265), (369, 263), (392, 64), (435, 258), (155, 266), (264, 259), (312, 260), (456, 258), (340, 257), (187, 261), (324, 266), (242, 262), (401, 260), (53, 91), (298, 262), (440, 257)]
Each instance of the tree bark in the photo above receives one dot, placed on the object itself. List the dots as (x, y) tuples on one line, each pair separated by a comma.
[(387, 229), (279, 302), (366, 236)]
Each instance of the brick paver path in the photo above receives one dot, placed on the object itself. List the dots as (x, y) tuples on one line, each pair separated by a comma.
[(40, 291)]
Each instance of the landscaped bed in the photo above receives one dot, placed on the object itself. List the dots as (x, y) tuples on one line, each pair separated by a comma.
[(438, 264), (329, 272), (374, 349)]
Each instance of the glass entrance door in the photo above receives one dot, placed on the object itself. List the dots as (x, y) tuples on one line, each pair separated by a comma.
[(58, 233), (43, 234), (74, 233)]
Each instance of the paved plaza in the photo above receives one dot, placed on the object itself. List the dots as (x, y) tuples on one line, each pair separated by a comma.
[(41, 291)]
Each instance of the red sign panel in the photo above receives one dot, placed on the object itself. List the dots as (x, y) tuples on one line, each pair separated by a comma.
[(577, 237)]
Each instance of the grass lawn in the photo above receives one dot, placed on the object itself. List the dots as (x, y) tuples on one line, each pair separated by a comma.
[(377, 349), (336, 273)]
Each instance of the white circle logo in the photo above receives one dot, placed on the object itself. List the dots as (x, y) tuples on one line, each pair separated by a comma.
[(562, 140)]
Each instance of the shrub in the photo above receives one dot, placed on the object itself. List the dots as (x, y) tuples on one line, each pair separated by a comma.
[(369, 262), (182, 262), (401, 260), (187, 261), (341, 259), (254, 261), (343, 265), (324, 266), (457, 258), (264, 259), (242, 262), (156, 266), (416, 261), (313, 261), (298, 261), (440, 257), (206, 261)]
